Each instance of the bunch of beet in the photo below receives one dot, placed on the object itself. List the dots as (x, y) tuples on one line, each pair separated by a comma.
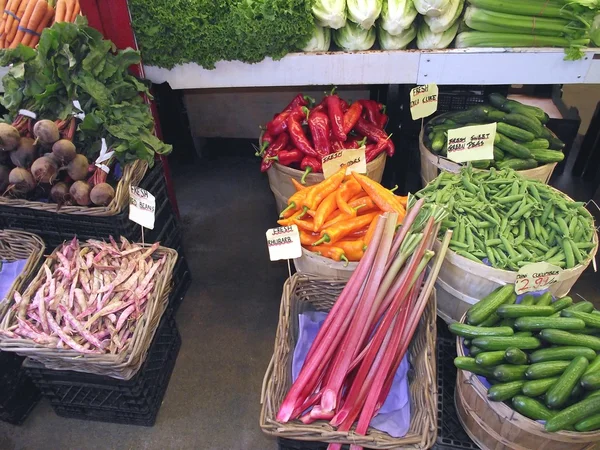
[(49, 163)]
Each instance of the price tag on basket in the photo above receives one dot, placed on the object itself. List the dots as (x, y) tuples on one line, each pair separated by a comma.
[(423, 100), (142, 207), (472, 143), (284, 243), (537, 277), (353, 159)]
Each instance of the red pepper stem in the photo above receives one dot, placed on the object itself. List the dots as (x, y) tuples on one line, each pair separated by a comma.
[(304, 211), (333, 90), (262, 149), (276, 158), (309, 99), (383, 109), (362, 142), (306, 111), (306, 172), (290, 206), (324, 238)]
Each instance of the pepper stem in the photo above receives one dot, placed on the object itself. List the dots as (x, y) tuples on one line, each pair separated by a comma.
[(274, 158), (304, 211), (262, 149), (288, 208), (346, 262), (356, 208), (306, 111), (309, 99), (324, 238), (306, 172), (383, 108), (362, 142), (394, 188)]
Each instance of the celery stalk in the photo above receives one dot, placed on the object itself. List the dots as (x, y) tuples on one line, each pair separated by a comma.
[(482, 39), (536, 8)]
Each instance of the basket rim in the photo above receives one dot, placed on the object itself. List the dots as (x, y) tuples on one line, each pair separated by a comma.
[(132, 175), (299, 173), (117, 363), (426, 436), (502, 408)]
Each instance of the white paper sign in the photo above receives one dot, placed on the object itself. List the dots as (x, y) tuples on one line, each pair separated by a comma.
[(284, 243), (423, 100), (142, 207), (536, 277), (472, 143), (353, 159), (27, 113)]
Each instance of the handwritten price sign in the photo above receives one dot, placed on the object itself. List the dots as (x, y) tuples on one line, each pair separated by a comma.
[(142, 206), (537, 277), (353, 159), (423, 101), (284, 243), (471, 143)]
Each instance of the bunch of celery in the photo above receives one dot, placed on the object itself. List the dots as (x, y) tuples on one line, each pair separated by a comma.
[(535, 23), (349, 368)]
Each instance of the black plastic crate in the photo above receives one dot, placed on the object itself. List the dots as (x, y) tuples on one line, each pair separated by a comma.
[(55, 228), (18, 394), (100, 398), (182, 280)]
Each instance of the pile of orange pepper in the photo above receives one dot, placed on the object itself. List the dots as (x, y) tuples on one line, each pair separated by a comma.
[(337, 217)]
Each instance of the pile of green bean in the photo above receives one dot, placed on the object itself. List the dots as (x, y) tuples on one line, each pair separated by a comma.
[(506, 221)]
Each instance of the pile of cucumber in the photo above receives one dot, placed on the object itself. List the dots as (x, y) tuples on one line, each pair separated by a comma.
[(539, 355), (522, 140), (505, 221)]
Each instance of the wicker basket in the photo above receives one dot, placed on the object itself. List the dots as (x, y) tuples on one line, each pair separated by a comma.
[(16, 245), (132, 175), (495, 425), (121, 365), (302, 293)]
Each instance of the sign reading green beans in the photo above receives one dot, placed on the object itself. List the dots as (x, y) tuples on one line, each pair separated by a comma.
[(507, 222)]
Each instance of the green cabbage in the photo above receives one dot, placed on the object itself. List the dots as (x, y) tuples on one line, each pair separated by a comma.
[(428, 40), (330, 13), (400, 41), (354, 38), (441, 23), (364, 12), (397, 15), (320, 40), (595, 31), (432, 8)]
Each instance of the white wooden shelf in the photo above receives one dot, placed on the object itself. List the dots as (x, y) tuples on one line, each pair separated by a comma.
[(450, 66)]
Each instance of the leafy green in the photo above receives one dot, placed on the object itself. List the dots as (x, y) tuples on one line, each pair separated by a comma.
[(73, 62), (171, 32)]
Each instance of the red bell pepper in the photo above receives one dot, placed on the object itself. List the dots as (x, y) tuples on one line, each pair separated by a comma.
[(310, 164), (287, 157), (277, 146), (351, 117), (336, 116), (318, 122)]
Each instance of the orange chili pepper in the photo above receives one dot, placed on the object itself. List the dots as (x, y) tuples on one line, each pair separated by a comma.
[(304, 224), (338, 218), (295, 202), (357, 234), (340, 230), (362, 194), (403, 199), (380, 195), (353, 249), (320, 191), (299, 186), (371, 231), (307, 238), (290, 220), (331, 252), (363, 204), (345, 193), (325, 209)]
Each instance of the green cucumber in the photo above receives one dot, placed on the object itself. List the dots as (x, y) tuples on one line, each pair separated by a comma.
[(514, 311), (469, 364), (485, 307), (535, 388), (467, 342), (591, 320), (590, 424), (527, 300), (585, 306), (517, 164), (562, 303), (490, 359), (474, 350), (540, 323), (537, 143), (558, 394), (555, 143), (482, 163), (514, 132), (531, 408), (594, 365), (498, 154), (526, 122), (562, 354), (546, 369), (514, 355), (574, 414), (591, 381), (513, 106), (507, 145), (545, 156), (470, 331), (490, 321), (523, 333), (437, 143), (504, 391), (504, 342), (510, 372), (544, 300), (586, 330), (560, 337)]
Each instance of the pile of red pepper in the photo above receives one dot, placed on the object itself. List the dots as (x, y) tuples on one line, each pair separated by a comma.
[(300, 137)]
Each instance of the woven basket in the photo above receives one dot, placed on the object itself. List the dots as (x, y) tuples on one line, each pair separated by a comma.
[(132, 175), (301, 293), (495, 425), (122, 365), (16, 245)]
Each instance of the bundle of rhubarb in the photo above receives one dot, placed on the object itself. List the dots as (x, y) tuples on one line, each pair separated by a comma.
[(299, 137), (337, 218), (349, 369), (89, 298), (24, 20)]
